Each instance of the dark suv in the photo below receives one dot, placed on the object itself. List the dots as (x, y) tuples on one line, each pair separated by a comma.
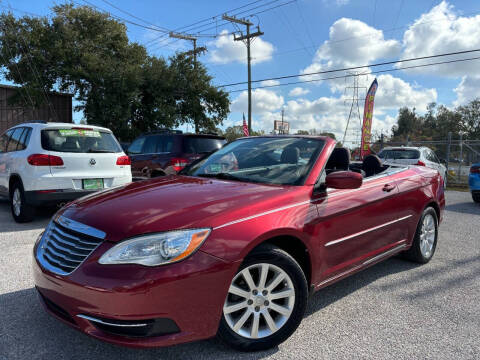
[(168, 152)]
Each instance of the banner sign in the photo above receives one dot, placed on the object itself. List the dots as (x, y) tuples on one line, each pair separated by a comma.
[(367, 120)]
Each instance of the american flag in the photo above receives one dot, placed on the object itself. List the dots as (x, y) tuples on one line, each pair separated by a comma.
[(245, 127)]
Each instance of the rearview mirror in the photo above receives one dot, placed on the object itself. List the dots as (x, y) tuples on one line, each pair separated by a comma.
[(344, 180)]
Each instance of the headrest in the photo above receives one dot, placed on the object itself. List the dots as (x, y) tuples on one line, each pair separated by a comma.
[(339, 159), (290, 155)]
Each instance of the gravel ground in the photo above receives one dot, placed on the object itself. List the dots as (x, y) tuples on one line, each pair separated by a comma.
[(394, 310)]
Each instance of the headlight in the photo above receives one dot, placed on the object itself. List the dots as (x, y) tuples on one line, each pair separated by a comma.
[(156, 249)]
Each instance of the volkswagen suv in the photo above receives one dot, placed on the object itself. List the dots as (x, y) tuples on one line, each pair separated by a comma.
[(54, 163)]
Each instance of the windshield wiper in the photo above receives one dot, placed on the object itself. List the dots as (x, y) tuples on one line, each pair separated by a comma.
[(221, 175), (98, 151)]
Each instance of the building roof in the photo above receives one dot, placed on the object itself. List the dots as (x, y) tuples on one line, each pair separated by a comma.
[(4, 86)]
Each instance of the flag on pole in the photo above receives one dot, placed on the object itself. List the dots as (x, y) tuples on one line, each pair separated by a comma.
[(367, 120), (245, 127)]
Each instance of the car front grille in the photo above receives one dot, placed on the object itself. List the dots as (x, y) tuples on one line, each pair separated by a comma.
[(65, 244)]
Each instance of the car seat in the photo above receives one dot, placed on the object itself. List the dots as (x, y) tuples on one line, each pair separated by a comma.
[(372, 165), (339, 160)]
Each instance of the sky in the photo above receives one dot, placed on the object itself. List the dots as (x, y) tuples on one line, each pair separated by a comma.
[(305, 36)]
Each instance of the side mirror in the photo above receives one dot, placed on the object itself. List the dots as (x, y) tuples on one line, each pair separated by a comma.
[(344, 180)]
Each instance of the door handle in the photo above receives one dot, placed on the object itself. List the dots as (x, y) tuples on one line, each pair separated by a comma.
[(388, 187)]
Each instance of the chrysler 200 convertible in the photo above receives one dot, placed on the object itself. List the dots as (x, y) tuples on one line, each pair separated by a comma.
[(234, 245)]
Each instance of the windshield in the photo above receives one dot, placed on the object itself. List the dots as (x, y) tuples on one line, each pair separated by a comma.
[(269, 160), (79, 141), (396, 154)]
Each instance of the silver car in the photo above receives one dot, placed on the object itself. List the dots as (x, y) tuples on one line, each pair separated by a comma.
[(414, 156)]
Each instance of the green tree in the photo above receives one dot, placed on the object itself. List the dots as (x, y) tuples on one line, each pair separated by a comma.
[(198, 102), (235, 132), (85, 52), (302, 132), (470, 115)]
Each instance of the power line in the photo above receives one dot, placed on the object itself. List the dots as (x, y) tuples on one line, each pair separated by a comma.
[(201, 28), (354, 67), (132, 15), (365, 73), (165, 31), (189, 28), (366, 35)]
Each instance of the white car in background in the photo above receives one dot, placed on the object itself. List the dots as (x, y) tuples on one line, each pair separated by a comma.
[(54, 163), (422, 156)]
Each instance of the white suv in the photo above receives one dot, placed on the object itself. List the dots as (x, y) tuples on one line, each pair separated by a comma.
[(53, 163), (414, 156)]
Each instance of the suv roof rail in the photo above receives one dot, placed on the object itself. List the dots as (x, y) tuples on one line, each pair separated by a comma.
[(163, 131), (207, 133), (33, 122)]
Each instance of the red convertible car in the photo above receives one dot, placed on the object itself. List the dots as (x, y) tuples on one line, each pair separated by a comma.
[(232, 246)]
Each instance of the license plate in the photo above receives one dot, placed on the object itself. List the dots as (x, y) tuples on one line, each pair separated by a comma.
[(92, 184)]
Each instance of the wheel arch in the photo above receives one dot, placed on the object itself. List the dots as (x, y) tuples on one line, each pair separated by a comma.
[(435, 206), (295, 247), (13, 178)]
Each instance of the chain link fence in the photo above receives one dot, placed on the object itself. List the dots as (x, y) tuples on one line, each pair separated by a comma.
[(457, 155)]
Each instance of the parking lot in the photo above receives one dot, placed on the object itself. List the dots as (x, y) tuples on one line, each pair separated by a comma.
[(395, 310)]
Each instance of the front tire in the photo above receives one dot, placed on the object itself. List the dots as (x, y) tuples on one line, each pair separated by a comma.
[(476, 197), (265, 302), (21, 211), (425, 241)]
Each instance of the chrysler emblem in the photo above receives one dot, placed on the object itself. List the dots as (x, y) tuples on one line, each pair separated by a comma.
[(92, 162)]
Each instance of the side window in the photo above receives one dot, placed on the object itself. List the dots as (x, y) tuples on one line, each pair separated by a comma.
[(15, 139), (21, 143), (4, 141), (136, 146), (430, 156), (164, 144), (150, 146)]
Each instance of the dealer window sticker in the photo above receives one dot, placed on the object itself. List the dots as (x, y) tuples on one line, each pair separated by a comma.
[(79, 132)]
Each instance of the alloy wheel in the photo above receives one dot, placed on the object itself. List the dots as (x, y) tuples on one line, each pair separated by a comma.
[(17, 202), (427, 236), (260, 300)]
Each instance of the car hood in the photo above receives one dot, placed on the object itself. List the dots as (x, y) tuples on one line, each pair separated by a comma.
[(176, 202)]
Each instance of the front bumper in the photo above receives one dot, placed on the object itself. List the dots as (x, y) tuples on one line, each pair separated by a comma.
[(187, 297)]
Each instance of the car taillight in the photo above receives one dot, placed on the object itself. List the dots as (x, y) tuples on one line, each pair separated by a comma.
[(178, 163), (475, 170), (44, 160), (420, 163), (124, 160)]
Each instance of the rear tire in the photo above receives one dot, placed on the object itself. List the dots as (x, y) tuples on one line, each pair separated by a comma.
[(270, 308), (476, 198), (21, 211), (425, 240)]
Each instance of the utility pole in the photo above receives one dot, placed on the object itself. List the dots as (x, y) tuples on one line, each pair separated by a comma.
[(246, 37), (194, 52)]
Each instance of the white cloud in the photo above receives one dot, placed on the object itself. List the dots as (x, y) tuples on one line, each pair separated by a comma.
[(467, 90), (298, 91), (394, 93), (262, 101), (440, 31), (270, 83), (351, 43), (330, 113), (226, 50)]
